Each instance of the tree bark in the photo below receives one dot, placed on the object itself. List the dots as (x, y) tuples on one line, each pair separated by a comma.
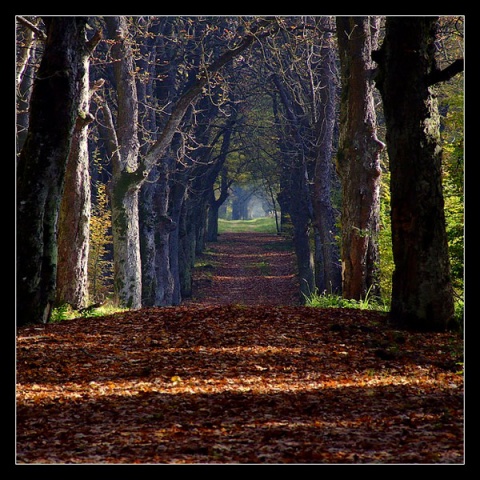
[(295, 197), (74, 220), (126, 179), (422, 295), (358, 159), (328, 274), (42, 165)]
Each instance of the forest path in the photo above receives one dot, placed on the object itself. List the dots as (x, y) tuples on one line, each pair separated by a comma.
[(237, 384), (247, 268), (241, 376)]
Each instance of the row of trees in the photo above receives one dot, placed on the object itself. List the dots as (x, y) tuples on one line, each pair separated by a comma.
[(179, 108)]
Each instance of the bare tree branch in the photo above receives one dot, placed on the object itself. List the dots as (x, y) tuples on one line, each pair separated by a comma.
[(447, 73), (40, 33)]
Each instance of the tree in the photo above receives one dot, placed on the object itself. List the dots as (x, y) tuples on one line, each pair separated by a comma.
[(54, 111), (303, 74), (126, 180), (27, 39), (327, 266), (422, 294), (358, 158), (74, 218)]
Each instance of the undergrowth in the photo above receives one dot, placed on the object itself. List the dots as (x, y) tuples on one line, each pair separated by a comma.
[(329, 300), (67, 312)]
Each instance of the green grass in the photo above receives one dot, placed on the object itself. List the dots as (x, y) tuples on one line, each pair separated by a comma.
[(326, 300), (66, 312), (259, 225)]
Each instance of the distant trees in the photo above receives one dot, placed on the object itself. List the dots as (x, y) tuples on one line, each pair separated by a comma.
[(303, 69), (185, 111), (130, 172)]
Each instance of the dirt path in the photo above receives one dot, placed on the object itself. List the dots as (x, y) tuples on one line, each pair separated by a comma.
[(239, 374), (246, 269)]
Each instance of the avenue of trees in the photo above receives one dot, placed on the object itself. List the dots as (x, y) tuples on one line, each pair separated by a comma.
[(132, 132)]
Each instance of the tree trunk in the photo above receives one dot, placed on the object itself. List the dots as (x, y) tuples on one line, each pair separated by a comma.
[(163, 228), (212, 219), (126, 179), (177, 194), (74, 220), (295, 197), (328, 272), (42, 165), (422, 295), (126, 245), (147, 240), (358, 159), (25, 75)]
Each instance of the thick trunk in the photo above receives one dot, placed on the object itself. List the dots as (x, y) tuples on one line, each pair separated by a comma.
[(422, 294), (212, 222), (147, 240), (177, 193), (42, 165), (163, 228), (126, 179), (74, 220), (126, 245), (186, 259), (358, 160)]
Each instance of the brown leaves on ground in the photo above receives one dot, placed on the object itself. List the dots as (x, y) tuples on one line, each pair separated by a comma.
[(247, 269), (238, 383)]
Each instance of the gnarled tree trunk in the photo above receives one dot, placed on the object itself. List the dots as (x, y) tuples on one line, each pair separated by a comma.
[(358, 159)]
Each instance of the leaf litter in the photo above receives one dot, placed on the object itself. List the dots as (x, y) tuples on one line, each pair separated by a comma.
[(216, 384)]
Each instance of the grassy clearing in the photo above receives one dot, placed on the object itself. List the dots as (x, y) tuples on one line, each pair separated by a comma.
[(259, 225)]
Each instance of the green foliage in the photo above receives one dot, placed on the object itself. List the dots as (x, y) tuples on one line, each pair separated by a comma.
[(63, 312), (327, 300), (453, 175), (387, 265), (100, 267), (66, 312)]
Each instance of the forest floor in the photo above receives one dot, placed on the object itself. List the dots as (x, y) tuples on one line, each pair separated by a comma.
[(239, 374)]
